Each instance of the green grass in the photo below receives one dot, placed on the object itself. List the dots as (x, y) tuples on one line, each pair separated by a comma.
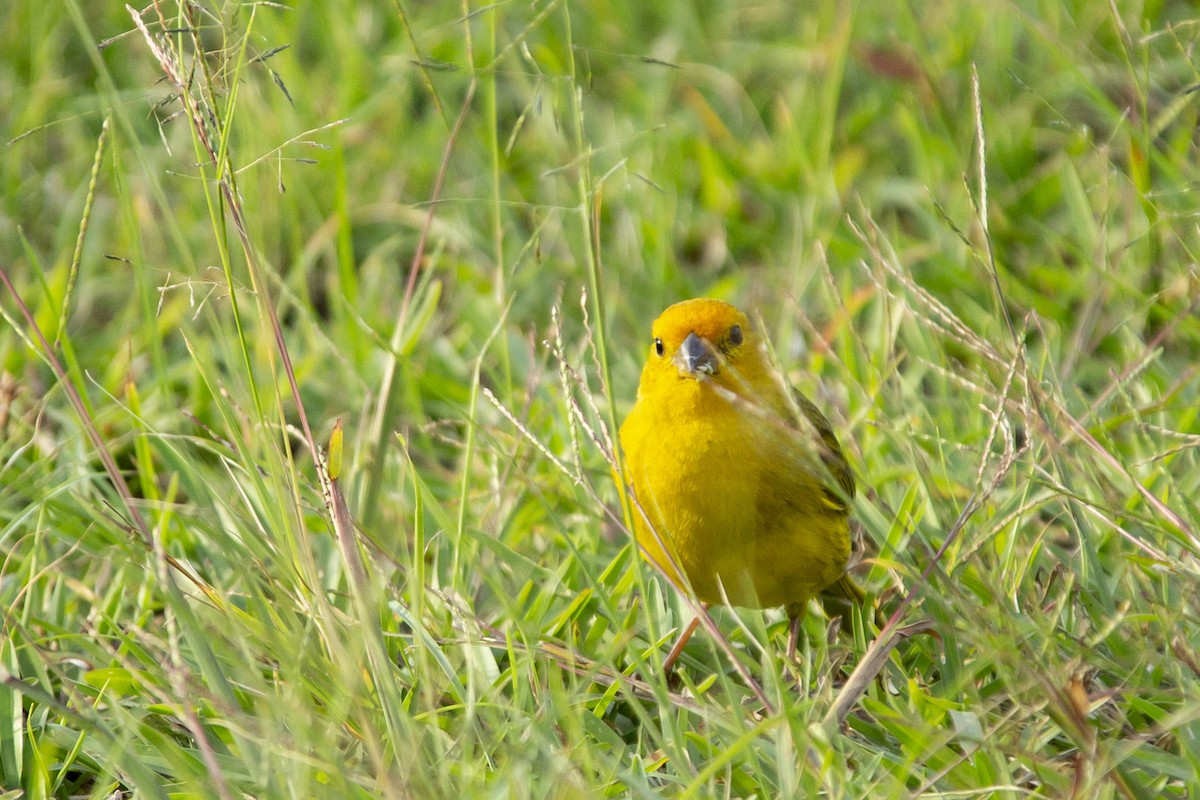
[(970, 232)]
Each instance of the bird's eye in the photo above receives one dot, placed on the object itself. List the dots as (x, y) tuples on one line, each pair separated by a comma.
[(735, 335), (658, 346)]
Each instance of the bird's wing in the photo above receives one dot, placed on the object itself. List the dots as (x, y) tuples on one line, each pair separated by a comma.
[(830, 452)]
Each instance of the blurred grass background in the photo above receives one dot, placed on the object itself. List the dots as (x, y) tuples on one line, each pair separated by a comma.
[(970, 230)]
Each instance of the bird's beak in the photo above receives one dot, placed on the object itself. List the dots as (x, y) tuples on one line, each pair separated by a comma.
[(696, 355)]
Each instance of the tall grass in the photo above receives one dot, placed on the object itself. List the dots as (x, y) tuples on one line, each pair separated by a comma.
[(969, 231)]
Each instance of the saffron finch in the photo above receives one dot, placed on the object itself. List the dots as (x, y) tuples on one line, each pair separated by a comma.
[(744, 487)]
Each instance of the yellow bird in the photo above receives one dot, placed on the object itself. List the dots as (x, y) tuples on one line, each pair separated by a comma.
[(742, 486)]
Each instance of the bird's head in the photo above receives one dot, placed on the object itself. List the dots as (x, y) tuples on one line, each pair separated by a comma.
[(702, 340)]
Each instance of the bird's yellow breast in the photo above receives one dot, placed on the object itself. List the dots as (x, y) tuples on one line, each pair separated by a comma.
[(731, 496)]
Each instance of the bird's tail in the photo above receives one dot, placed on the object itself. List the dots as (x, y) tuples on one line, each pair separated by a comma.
[(844, 588), (838, 598)]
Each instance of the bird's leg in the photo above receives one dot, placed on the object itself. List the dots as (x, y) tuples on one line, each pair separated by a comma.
[(795, 614), (677, 648)]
